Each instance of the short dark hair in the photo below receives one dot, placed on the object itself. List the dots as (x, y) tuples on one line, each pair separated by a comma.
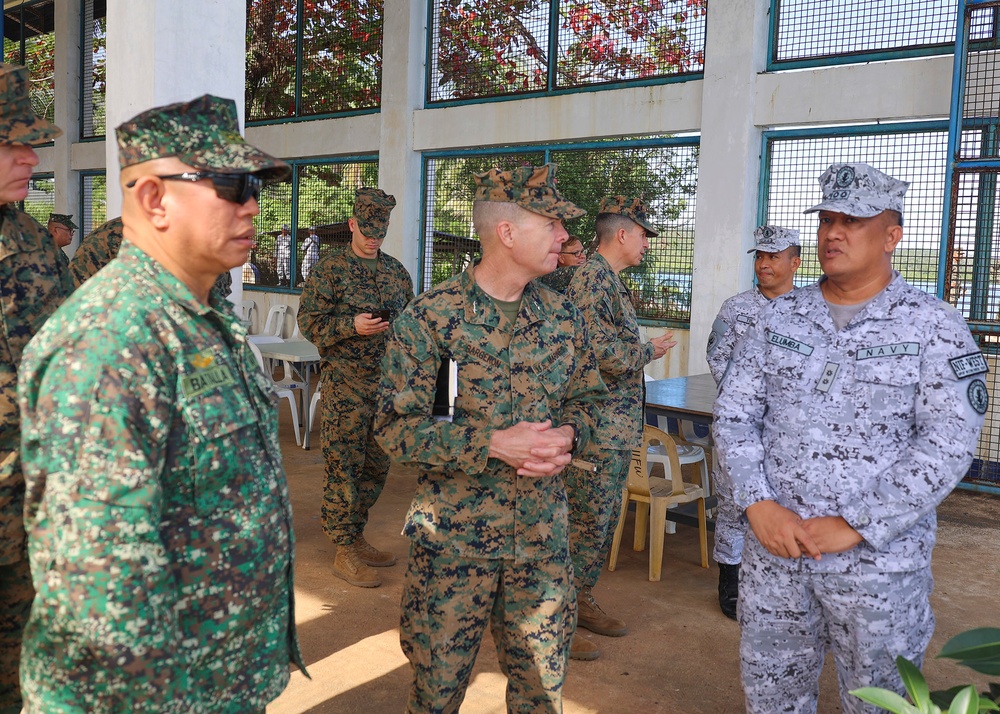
[(607, 224), (895, 216)]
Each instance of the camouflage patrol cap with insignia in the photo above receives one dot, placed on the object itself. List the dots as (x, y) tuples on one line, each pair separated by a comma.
[(63, 219), (859, 190), (532, 188), (19, 125), (372, 207), (203, 133), (632, 208), (774, 239)]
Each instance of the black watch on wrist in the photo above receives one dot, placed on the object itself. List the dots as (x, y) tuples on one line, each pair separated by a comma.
[(576, 437)]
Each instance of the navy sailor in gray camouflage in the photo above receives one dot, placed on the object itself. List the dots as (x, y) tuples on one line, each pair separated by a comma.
[(851, 408), (776, 258)]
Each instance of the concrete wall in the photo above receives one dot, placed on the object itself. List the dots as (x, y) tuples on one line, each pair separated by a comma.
[(730, 108)]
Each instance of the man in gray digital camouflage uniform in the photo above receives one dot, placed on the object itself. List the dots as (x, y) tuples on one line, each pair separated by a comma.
[(33, 282), (339, 314), (852, 407), (623, 231), (488, 522), (158, 516), (776, 258)]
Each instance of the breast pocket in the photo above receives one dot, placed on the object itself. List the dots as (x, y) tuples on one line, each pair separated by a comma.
[(221, 426), (889, 389)]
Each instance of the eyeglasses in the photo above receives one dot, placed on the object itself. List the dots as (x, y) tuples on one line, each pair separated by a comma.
[(238, 188), (577, 253)]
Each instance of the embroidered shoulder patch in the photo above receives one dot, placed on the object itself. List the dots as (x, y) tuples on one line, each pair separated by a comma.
[(968, 365), (979, 398)]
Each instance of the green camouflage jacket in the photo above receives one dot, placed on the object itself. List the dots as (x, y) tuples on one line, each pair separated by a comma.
[(607, 308), (466, 503), (159, 522), (33, 282), (340, 287), (96, 250)]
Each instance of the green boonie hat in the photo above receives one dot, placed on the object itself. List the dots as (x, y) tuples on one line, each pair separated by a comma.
[(632, 208), (532, 188), (19, 125), (203, 133), (371, 210), (63, 219)]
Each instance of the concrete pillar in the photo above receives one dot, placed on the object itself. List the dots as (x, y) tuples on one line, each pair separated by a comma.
[(403, 51), (67, 110), (164, 51), (729, 165)]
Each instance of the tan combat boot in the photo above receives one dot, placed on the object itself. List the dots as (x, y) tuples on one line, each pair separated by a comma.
[(591, 616), (583, 649), (370, 555), (347, 565)]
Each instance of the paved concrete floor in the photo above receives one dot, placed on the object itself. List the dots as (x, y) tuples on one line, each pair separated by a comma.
[(679, 657)]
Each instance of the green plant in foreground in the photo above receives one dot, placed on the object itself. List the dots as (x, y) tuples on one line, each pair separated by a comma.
[(977, 649)]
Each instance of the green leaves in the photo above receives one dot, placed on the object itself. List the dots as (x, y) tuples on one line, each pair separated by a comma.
[(978, 649)]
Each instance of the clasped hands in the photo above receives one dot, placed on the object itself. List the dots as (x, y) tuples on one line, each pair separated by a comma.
[(786, 535), (533, 448)]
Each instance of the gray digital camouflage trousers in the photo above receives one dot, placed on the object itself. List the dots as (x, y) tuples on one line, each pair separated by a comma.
[(790, 616), (730, 522), (447, 603), (356, 466), (595, 501)]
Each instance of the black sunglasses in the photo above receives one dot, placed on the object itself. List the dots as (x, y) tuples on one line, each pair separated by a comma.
[(238, 188)]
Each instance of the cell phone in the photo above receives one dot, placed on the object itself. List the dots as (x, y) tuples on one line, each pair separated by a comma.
[(383, 315)]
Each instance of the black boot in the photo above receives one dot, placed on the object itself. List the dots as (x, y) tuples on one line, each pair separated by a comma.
[(729, 589)]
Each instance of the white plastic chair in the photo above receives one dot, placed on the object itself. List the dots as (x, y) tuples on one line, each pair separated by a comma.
[(284, 390), (245, 310), (275, 323)]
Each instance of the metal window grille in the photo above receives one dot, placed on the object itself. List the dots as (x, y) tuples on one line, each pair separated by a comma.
[(312, 58), (93, 68), (29, 40), (93, 202), (41, 198), (481, 48), (972, 272), (321, 196), (914, 153), (664, 171), (805, 31)]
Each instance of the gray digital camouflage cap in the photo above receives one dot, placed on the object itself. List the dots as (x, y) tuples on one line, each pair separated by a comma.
[(859, 190), (63, 219), (632, 208), (530, 187), (774, 239), (372, 207), (204, 133), (19, 125)]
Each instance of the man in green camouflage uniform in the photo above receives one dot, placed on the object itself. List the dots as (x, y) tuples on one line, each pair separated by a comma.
[(160, 530), (571, 257), (623, 232), (61, 227), (337, 313), (32, 284), (488, 524), (101, 245)]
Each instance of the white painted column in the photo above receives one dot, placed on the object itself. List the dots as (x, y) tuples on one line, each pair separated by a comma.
[(165, 51), (403, 52), (67, 110), (729, 165)]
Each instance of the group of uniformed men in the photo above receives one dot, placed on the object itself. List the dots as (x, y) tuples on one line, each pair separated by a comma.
[(154, 497)]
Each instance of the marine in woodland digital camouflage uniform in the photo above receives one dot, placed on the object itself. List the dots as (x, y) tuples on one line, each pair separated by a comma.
[(61, 227), (101, 245), (33, 281), (336, 314), (489, 537), (851, 409), (623, 232), (571, 257), (160, 529), (775, 262)]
